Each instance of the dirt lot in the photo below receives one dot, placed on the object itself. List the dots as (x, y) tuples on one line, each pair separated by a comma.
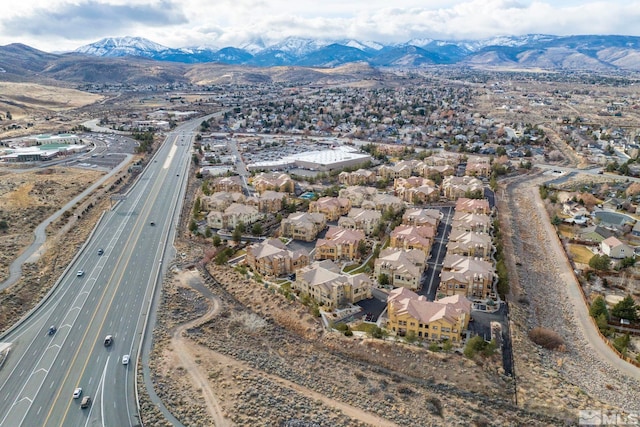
[(27, 199)]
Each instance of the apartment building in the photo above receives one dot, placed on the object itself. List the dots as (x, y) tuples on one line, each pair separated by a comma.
[(413, 237), (275, 181), (325, 284), (272, 258), (339, 244), (402, 267), (470, 243), (454, 187), (366, 220), (268, 201), (443, 319), (303, 226), (358, 194), (359, 177), (471, 222), (469, 276), (230, 184), (332, 207), (233, 215), (475, 206), (421, 216), (220, 200)]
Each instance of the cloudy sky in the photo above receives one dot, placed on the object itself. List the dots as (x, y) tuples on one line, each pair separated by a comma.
[(61, 25)]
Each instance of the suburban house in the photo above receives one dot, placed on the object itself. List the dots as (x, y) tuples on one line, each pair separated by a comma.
[(413, 237), (404, 268), (420, 216), (614, 248), (443, 319), (358, 194), (233, 215), (475, 206), (454, 187), (229, 184), (332, 207), (471, 222), (366, 220), (339, 244), (220, 201), (303, 226), (276, 181), (272, 258), (359, 177), (469, 243), (325, 284), (468, 276), (268, 201)]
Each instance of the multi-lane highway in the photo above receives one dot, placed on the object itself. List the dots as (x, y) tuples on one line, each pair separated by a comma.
[(112, 297)]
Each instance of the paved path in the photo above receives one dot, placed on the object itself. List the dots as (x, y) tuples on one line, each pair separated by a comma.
[(35, 250)]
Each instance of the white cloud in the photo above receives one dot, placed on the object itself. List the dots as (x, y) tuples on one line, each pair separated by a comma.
[(57, 25)]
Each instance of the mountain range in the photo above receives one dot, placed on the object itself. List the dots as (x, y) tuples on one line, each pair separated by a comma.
[(137, 61), (583, 52)]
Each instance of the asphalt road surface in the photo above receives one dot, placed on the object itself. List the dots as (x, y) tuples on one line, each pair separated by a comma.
[(111, 298)]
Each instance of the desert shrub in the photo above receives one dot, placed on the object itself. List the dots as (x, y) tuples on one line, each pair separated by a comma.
[(546, 338), (434, 406), (477, 344), (342, 327)]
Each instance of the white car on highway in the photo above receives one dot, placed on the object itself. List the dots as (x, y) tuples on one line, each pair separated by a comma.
[(125, 359), (77, 392)]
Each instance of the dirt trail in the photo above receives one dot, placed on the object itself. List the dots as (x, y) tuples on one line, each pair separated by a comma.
[(187, 352)]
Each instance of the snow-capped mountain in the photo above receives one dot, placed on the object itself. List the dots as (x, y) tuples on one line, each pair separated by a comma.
[(532, 50), (122, 46)]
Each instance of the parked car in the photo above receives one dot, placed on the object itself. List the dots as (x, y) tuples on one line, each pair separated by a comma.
[(77, 392)]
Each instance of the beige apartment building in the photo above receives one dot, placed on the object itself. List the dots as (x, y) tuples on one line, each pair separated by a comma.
[(275, 181), (421, 216), (303, 226), (443, 319), (339, 244), (230, 184), (332, 207), (470, 243), (361, 219), (272, 258), (404, 268), (413, 237), (325, 284), (454, 187), (233, 215), (468, 276), (359, 177)]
